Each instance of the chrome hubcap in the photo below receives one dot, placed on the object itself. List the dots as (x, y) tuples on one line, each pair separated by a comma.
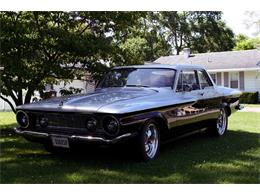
[(221, 122), (151, 140)]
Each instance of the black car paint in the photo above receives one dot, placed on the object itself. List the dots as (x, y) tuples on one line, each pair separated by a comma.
[(174, 120)]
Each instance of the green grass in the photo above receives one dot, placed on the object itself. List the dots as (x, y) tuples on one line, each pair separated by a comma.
[(7, 120), (233, 158)]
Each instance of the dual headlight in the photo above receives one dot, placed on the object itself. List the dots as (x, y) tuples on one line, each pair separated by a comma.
[(91, 124), (43, 121), (25, 120), (110, 125), (22, 119)]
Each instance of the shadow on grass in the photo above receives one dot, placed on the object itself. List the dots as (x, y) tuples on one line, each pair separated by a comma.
[(233, 158), (6, 130), (7, 127)]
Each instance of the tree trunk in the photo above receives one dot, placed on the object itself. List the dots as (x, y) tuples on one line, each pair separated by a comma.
[(28, 96), (10, 104), (20, 98)]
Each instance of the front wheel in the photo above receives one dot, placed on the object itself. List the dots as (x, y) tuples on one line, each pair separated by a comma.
[(149, 141)]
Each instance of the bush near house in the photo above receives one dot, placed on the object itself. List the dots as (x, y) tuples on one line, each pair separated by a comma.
[(249, 98)]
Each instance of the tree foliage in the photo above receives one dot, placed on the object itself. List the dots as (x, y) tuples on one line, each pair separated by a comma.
[(135, 50), (43, 47), (200, 31), (245, 43)]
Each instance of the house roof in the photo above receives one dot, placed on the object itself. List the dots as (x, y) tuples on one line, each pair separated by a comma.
[(153, 65), (218, 61)]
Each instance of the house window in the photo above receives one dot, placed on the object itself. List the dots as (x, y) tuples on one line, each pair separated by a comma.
[(214, 77), (234, 80)]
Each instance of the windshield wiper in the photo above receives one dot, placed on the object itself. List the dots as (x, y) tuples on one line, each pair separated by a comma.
[(137, 86)]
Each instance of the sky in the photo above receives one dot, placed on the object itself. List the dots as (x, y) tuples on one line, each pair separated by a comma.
[(236, 21)]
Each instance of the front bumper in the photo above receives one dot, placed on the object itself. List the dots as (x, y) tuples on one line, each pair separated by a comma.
[(89, 139)]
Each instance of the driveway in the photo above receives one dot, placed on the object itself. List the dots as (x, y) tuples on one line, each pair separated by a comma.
[(250, 109)]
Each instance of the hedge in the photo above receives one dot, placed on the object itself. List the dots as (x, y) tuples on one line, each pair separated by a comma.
[(249, 98)]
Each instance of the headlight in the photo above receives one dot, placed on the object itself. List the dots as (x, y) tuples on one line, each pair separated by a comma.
[(91, 124), (22, 119), (43, 121), (111, 125)]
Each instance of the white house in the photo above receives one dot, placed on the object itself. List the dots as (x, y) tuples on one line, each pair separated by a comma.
[(235, 69)]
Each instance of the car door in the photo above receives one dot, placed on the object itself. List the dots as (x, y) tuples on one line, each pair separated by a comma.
[(188, 117), (209, 99)]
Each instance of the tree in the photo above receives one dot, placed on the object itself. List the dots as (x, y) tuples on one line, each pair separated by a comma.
[(150, 30), (244, 43), (143, 41), (201, 31), (134, 49), (42, 47)]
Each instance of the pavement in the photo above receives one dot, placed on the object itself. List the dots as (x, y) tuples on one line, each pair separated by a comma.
[(250, 109)]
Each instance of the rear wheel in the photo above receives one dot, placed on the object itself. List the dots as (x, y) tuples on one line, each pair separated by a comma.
[(221, 123), (149, 141)]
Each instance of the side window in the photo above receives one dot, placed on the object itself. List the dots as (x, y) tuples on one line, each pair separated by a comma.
[(204, 79), (187, 81)]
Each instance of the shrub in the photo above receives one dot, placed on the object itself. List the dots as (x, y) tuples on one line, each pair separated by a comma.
[(249, 98)]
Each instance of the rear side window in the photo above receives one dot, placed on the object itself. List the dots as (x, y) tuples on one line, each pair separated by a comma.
[(187, 81), (204, 79)]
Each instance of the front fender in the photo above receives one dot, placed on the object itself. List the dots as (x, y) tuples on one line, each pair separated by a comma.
[(141, 118)]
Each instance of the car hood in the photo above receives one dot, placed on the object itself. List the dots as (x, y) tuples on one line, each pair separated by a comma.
[(91, 102)]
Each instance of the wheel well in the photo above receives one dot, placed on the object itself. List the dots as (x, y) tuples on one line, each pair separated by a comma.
[(228, 110), (161, 122)]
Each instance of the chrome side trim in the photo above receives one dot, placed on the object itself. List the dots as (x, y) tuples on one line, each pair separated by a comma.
[(31, 133), (100, 139), (76, 137)]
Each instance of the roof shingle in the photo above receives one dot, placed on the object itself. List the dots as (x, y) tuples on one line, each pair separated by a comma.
[(246, 59)]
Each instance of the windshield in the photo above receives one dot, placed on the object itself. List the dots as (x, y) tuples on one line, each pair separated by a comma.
[(138, 77)]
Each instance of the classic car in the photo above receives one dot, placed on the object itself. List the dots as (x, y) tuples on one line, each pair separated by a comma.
[(147, 104)]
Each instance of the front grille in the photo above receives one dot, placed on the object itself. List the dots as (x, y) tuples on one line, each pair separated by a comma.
[(65, 123), (65, 120)]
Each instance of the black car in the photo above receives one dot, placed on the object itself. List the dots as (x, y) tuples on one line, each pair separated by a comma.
[(146, 104)]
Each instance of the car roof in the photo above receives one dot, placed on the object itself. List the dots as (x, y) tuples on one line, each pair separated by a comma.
[(168, 66)]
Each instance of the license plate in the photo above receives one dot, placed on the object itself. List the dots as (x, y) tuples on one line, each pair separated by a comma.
[(60, 142)]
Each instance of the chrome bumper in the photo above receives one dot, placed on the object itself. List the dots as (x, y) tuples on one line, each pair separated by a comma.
[(75, 137)]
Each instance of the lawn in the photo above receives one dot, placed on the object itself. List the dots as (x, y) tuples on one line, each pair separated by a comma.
[(234, 158), (7, 120)]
